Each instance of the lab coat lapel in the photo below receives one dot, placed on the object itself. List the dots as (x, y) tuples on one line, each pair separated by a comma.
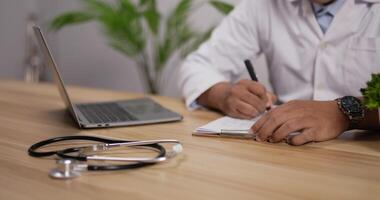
[(349, 17), (309, 17)]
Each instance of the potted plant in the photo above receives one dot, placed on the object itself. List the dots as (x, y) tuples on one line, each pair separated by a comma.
[(138, 30), (371, 94)]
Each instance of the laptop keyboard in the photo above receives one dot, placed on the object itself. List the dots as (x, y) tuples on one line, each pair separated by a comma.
[(105, 113)]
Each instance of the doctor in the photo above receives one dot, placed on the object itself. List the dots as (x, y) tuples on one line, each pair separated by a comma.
[(320, 53)]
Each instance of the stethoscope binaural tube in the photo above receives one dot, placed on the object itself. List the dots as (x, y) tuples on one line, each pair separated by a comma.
[(32, 151)]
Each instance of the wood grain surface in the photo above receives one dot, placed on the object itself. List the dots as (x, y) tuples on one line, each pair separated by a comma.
[(209, 168)]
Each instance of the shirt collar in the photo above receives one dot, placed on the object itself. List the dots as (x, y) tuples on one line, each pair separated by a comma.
[(331, 8)]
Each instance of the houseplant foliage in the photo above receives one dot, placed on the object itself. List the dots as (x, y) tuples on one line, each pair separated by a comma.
[(371, 94), (138, 30)]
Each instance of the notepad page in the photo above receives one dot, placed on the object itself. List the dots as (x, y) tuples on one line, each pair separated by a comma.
[(227, 123)]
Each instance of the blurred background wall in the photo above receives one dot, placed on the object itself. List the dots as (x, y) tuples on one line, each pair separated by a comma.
[(81, 51)]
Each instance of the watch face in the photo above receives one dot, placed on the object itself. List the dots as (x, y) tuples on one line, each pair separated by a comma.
[(352, 105)]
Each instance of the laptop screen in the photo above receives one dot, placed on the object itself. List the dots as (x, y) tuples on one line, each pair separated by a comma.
[(49, 61)]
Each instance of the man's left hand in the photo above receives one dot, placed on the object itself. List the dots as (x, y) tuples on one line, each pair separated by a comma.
[(315, 121)]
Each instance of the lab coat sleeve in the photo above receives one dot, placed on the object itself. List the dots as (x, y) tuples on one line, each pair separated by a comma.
[(221, 58)]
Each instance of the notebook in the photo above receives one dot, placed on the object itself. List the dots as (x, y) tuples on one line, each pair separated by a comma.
[(230, 127), (227, 127)]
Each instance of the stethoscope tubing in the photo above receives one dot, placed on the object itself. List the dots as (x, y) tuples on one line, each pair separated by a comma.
[(32, 151), (64, 154)]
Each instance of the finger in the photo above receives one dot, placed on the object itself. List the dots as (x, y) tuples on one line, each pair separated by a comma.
[(265, 125), (290, 107), (308, 135), (267, 129), (246, 109), (269, 103), (239, 115), (273, 112), (254, 101), (259, 123), (236, 114), (275, 120), (289, 127), (257, 89), (271, 99), (233, 112)]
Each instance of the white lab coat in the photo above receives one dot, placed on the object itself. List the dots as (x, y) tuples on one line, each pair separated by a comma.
[(303, 62)]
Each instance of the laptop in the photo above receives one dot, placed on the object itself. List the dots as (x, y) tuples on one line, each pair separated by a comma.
[(106, 114)]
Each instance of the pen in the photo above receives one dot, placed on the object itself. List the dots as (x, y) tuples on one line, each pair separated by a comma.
[(248, 134), (253, 76), (251, 71)]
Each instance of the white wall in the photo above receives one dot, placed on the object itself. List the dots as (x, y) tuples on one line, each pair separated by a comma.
[(13, 15), (83, 56), (81, 51)]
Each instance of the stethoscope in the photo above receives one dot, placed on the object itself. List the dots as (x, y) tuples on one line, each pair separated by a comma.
[(74, 160)]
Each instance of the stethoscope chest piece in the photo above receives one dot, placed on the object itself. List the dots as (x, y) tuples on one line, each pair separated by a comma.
[(64, 170)]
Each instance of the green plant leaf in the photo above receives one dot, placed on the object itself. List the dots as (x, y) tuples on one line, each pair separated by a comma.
[(128, 8), (196, 41), (70, 18), (177, 33), (152, 18), (125, 33), (371, 94), (163, 52), (151, 15), (147, 4), (122, 26), (179, 15), (124, 48), (184, 35), (98, 7), (222, 7)]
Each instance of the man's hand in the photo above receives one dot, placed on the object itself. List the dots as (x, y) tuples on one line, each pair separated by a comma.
[(245, 99), (315, 120)]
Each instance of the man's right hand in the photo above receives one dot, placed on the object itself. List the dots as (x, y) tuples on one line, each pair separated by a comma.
[(245, 99)]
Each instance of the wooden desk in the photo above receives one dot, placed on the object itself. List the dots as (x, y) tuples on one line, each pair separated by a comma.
[(209, 168)]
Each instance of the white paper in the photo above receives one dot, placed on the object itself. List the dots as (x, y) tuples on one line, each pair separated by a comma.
[(226, 124)]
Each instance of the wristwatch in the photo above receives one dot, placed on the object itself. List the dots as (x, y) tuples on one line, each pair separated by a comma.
[(352, 108)]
